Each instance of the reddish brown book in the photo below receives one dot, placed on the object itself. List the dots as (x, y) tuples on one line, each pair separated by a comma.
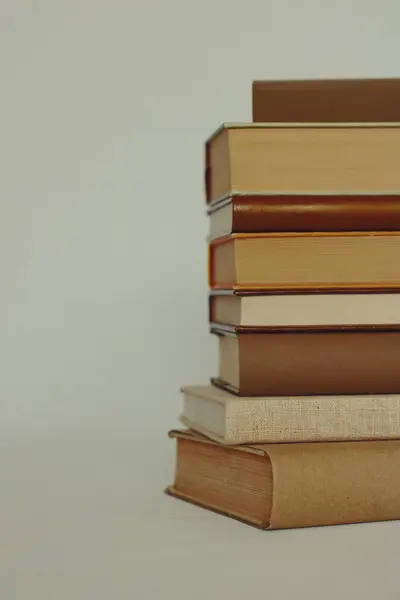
[(276, 486), (257, 213), (306, 261), (302, 362), (329, 100)]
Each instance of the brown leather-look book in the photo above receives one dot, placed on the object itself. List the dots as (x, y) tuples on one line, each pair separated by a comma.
[(306, 158), (306, 261), (258, 213), (330, 100), (281, 486), (301, 362)]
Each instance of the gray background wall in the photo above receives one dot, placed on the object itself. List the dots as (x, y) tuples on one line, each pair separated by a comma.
[(104, 108)]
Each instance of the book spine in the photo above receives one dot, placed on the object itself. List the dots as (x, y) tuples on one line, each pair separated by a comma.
[(207, 173), (363, 100), (307, 213)]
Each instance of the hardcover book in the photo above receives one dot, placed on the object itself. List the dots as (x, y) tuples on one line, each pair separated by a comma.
[(306, 261), (258, 213), (228, 419), (260, 158), (302, 362), (279, 486), (330, 100), (234, 310)]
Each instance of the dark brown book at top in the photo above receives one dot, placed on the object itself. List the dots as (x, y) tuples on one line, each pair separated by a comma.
[(257, 213), (327, 100), (300, 363)]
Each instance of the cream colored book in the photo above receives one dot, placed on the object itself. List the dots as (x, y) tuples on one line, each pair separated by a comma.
[(231, 309), (230, 419)]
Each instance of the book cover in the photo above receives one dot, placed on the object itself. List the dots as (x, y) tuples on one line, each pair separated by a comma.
[(331, 100), (229, 419), (307, 158), (280, 486), (259, 213), (289, 261), (307, 362)]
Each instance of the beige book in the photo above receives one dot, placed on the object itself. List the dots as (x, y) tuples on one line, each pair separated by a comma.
[(282, 157), (280, 261), (304, 310), (229, 419), (280, 486)]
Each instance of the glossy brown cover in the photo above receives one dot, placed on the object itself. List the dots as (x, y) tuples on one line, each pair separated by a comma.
[(313, 212), (317, 362), (329, 100)]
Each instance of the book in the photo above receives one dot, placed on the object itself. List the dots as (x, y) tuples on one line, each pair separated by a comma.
[(234, 310), (245, 158), (280, 486), (327, 100), (302, 362), (258, 213), (229, 420), (308, 261)]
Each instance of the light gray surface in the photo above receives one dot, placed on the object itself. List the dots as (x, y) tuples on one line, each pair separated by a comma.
[(104, 108), (83, 516)]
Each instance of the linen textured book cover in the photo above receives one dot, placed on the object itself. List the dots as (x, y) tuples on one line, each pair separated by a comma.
[(308, 261), (260, 158), (330, 100), (281, 486), (232, 310), (230, 420), (258, 213), (301, 362)]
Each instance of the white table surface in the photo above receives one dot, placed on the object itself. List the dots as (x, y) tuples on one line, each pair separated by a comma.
[(83, 516)]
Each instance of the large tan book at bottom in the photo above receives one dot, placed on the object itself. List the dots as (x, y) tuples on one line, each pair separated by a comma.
[(281, 486)]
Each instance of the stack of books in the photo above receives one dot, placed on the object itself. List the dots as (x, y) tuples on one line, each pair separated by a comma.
[(301, 425)]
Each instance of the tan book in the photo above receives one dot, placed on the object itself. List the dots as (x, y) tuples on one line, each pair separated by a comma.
[(239, 310), (260, 158), (309, 361), (308, 261), (227, 419), (280, 486)]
